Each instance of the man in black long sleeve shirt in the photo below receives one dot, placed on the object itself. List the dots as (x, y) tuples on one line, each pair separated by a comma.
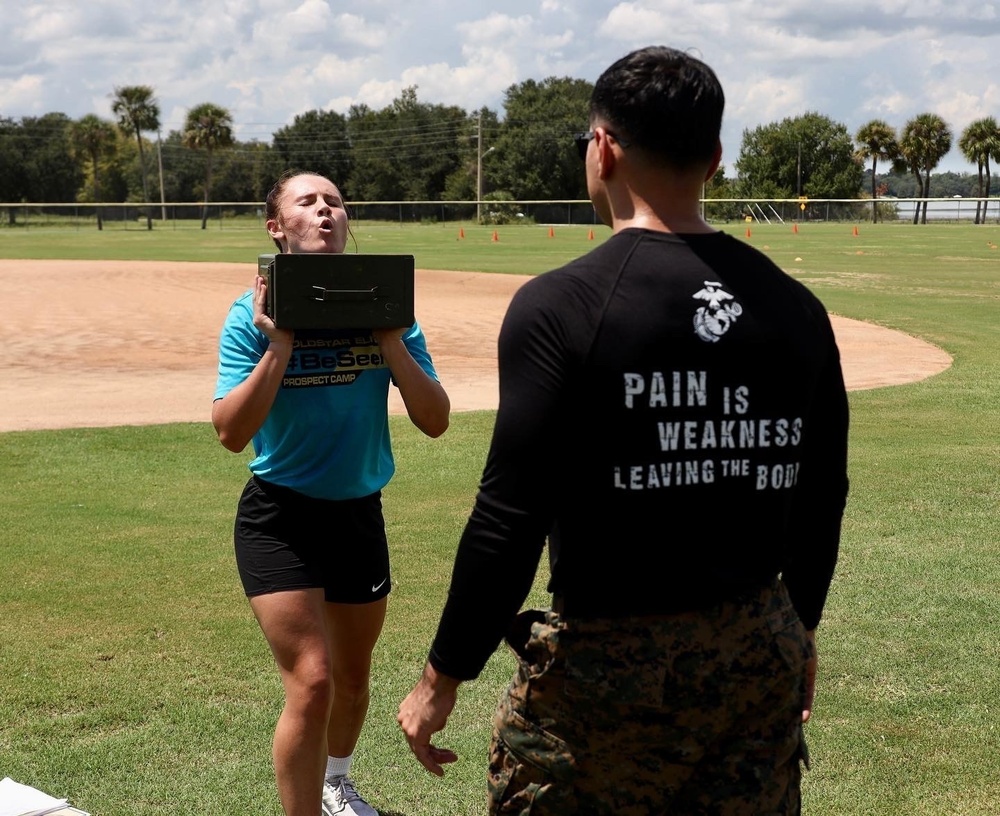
[(673, 420)]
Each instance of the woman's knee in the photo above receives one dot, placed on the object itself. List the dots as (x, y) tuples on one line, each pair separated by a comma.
[(352, 685), (309, 686)]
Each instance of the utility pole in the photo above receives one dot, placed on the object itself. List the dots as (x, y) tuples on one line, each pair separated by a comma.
[(479, 168), (798, 173), (159, 159)]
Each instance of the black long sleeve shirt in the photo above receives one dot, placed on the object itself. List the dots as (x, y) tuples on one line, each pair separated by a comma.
[(673, 419)]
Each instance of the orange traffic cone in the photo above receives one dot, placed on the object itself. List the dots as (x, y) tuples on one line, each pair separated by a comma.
[(495, 236), (795, 227), (748, 232), (590, 236), (855, 230), (552, 232), (461, 232)]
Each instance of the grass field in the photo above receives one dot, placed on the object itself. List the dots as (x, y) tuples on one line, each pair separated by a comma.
[(134, 681)]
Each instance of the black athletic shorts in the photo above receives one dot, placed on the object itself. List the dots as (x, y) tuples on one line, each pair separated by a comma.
[(286, 540)]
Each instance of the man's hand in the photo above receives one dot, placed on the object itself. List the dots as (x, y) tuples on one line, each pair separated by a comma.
[(811, 667), (423, 713)]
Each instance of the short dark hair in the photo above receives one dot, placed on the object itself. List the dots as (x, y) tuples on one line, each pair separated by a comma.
[(663, 101)]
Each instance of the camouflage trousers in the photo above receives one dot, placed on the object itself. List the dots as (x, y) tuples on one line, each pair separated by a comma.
[(693, 714)]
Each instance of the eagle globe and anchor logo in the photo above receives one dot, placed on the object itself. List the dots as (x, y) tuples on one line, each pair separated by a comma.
[(714, 319)]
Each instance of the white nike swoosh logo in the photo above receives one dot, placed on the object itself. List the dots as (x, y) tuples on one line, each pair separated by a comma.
[(378, 586)]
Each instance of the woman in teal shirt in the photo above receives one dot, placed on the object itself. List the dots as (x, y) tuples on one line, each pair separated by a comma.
[(309, 534)]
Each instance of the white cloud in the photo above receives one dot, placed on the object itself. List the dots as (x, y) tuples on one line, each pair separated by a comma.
[(21, 94), (356, 29), (310, 15), (269, 60)]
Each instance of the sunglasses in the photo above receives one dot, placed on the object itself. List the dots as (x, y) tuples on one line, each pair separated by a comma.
[(582, 141)]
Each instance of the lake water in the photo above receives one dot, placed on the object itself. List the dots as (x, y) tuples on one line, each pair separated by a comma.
[(949, 209)]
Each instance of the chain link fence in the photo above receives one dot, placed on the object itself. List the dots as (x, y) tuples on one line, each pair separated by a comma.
[(233, 215)]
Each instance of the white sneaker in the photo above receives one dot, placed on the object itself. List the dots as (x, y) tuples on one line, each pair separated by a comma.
[(341, 799)]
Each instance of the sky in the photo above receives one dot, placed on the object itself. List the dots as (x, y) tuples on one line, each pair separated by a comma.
[(268, 60)]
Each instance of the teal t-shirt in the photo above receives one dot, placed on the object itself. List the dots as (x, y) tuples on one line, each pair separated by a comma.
[(327, 434)]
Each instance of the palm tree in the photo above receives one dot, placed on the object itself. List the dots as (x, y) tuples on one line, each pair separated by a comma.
[(137, 111), (908, 162), (925, 140), (876, 140), (97, 139), (208, 127), (979, 141)]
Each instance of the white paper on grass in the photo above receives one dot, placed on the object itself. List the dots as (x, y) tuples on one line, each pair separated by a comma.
[(22, 800)]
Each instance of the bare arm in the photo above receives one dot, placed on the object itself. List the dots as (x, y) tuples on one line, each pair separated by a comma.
[(239, 414), (811, 667), (424, 712), (426, 401)]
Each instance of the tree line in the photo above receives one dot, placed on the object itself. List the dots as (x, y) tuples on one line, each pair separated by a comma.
[(415, 151)]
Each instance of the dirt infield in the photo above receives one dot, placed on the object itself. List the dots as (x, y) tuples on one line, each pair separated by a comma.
[(96, 344)]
